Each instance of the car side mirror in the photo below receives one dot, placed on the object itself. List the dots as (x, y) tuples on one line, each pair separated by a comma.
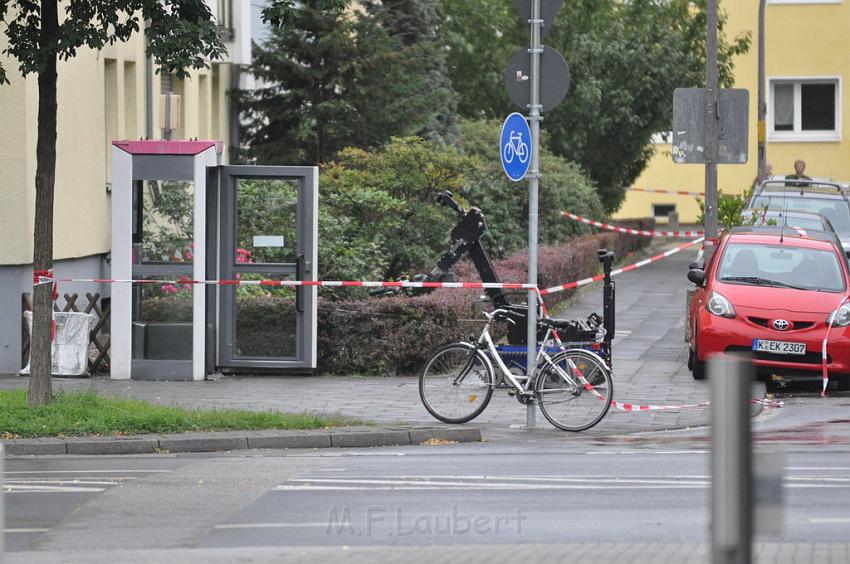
[(696, 276), (697, 264)]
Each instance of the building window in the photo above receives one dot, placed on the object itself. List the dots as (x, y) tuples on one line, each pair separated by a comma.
[(805, 109), (662, 210)]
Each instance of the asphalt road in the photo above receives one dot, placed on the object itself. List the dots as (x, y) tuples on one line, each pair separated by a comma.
[(636, 489)]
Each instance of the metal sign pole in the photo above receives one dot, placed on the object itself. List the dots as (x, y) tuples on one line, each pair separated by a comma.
[(731, 502), (533, 185), (2, 499), (762, 129), (711, 226)]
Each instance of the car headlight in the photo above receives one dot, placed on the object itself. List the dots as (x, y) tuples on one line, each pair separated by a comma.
[(720, 306), (840, 317)]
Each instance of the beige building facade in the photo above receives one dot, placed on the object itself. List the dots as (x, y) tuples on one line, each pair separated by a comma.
[(102, 96), (807, 63)]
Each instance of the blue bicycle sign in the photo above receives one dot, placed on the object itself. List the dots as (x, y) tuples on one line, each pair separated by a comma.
[(515, 147)]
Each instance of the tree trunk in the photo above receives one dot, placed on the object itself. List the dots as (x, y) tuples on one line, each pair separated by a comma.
[(40, 385)]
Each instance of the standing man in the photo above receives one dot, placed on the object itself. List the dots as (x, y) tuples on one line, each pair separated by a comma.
[(799, 174)]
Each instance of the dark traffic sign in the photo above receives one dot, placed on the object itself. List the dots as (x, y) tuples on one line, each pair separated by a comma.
[(548, 10), (689, 134), (554, 78)]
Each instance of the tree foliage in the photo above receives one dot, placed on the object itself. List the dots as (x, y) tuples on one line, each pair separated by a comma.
[(181, 34), (625, 59), (332, 78)]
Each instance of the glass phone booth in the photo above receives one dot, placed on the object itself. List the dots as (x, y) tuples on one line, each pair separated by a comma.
[(179, 215)]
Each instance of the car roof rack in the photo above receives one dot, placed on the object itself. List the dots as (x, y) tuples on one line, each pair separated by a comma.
[(803, 186), (778, 231), (780, 213)]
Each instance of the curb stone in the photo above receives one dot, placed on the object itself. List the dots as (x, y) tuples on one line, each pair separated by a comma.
[(343, 437)]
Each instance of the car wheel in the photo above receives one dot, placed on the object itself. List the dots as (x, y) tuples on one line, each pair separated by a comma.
[(697, 366)]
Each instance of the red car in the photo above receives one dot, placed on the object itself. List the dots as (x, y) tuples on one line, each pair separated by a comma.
[(771, 292)]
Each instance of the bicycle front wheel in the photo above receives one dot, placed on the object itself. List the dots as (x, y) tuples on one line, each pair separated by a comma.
[(456, 383), (574, 390)]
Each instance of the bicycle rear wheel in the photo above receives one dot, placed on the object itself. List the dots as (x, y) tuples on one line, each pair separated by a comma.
[(575, 390), (456, 384)]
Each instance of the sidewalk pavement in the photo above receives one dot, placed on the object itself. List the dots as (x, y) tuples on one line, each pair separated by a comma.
[(650, 358)]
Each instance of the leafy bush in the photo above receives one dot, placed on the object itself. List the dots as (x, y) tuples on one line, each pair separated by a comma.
[(730, 210), (378, 218), (563, 186)]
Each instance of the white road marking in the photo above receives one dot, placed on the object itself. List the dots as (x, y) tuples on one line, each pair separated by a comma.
[(24, 531), (500, 484), (617, 453), (829, 520), (276, 525), (43, 488), (817, 467), (74, 481), (469, 487), (515, 483), (8, 472)]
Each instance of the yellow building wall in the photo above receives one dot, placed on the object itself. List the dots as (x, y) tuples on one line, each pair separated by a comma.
[(101, 97), (16, 211), (801, 41)]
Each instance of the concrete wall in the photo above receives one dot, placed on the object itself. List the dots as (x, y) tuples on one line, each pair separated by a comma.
[(16, 280), (801, 40)]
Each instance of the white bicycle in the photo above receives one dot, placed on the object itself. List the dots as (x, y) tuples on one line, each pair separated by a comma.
[(516, 148), (573, 386)]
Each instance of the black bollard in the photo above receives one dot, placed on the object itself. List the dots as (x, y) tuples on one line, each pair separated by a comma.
[(606, 257)]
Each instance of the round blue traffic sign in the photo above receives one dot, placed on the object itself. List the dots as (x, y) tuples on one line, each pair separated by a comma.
[(515, 147)]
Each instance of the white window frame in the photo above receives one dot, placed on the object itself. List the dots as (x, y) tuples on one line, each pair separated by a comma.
[(797, 135)]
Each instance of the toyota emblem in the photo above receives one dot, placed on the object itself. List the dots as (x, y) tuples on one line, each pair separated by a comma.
[(781, 325)]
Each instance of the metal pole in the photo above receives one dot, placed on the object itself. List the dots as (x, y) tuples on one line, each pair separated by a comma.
[(711, 226), (533, 185), (731, 465), (762, 109), (2, 499), (148, 90)]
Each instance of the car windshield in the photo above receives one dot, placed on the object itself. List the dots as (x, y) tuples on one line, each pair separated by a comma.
[(835, 210), (792, 221), (782, 266)]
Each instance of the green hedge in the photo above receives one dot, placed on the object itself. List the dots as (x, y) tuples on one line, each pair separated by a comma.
[(395, 335)]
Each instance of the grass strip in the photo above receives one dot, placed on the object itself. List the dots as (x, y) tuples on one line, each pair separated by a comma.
[(86, 413)]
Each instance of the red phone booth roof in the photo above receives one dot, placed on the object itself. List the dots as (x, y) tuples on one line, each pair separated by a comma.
[(164, 147)]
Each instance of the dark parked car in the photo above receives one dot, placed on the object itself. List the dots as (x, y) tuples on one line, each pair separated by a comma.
[(815, 196), (781, 218)]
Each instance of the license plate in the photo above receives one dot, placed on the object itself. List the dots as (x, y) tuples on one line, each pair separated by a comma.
[(778, 347)]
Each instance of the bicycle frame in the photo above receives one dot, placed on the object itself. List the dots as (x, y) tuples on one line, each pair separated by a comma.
[(485, 340)]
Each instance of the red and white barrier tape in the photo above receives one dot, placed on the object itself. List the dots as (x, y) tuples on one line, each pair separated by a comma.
[(296, 283), (395, 284), (618, 271), (629, 230), (632, 407), (824, 356), (664, 191)]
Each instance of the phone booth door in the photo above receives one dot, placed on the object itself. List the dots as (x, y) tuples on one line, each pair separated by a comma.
[(267, 230)]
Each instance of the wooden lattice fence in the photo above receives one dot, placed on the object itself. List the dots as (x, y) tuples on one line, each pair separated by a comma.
[(99, 336)]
